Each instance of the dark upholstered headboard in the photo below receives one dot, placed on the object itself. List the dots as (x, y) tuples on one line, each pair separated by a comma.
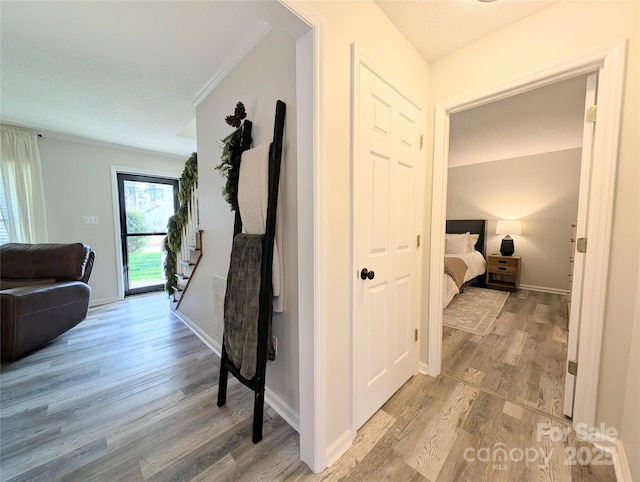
[(474, 226)]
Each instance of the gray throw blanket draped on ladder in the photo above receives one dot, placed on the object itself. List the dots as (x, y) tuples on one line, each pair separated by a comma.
[(241, 304)]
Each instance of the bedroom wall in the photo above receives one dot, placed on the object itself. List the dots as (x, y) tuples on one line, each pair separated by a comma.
[(542, 191), (571, 28), (77, 183), (265, 75)]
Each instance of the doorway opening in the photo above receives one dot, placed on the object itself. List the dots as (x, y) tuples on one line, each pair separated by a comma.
[(519, 349), (145, 205), (608, 61)]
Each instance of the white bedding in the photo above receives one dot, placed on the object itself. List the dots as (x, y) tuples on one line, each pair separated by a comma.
[(476, 265)]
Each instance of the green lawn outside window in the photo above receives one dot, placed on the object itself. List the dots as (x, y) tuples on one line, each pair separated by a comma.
[(145, 266)]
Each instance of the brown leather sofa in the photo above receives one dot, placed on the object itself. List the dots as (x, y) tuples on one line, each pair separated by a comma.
[(43, 293)]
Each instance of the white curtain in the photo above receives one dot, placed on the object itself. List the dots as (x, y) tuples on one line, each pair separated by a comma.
[(22, 208)]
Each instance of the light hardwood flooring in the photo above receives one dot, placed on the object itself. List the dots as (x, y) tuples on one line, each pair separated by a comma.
[(130, 394), (438, 429), (522, 358)]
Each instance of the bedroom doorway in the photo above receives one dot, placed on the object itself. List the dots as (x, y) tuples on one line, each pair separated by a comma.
[(608, 62), (515, 344)]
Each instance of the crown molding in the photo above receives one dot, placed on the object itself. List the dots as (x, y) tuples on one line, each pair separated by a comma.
[(233, 58), (107, 145)]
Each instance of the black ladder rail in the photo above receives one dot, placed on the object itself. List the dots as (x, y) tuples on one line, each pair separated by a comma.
[(257, 383)]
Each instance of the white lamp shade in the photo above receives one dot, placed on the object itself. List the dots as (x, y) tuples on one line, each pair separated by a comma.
[(509, 227)]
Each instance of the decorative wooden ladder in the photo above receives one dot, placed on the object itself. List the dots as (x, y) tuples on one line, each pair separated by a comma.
[(265, 302), (191, 251)]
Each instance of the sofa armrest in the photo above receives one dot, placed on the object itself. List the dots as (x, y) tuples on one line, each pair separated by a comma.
[(88, 267)]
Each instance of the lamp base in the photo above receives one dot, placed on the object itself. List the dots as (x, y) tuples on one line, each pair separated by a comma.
[(506, 247)]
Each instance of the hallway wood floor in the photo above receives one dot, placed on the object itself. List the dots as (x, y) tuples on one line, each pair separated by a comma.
[(522, 358), (130, 394)]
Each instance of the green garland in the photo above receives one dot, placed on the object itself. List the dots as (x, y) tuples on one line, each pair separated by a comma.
[(229, 166), (173, 241)]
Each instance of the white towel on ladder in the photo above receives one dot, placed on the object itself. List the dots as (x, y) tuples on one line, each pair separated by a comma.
[(253, 198)]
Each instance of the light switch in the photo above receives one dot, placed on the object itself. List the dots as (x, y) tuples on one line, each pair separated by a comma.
[(91, 220)]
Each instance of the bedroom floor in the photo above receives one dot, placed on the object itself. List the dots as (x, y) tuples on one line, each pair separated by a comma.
[(523, 356)]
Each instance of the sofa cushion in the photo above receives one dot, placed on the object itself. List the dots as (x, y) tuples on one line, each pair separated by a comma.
[(33, 315), (64, 262)]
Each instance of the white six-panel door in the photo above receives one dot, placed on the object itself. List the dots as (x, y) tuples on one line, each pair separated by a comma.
[(387, 220), (580, 232)]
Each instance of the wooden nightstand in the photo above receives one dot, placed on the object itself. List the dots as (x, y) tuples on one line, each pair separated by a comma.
[(503, 272)]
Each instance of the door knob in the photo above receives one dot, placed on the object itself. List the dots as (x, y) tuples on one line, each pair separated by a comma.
[(365, 273)]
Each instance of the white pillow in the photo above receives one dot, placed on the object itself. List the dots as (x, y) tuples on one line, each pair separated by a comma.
[(448, 235), (472, 239), (456, 244)]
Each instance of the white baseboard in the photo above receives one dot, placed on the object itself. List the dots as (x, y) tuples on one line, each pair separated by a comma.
[(291, 416), (339, 447), (544, 289), (282, 408), (200, 333), (102, 301), (616, 449), (423, 369)]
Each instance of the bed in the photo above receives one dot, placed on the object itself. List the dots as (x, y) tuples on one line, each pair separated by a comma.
[(469, 251)]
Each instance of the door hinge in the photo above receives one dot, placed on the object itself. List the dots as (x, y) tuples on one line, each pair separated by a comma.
[(591, 114), (415, 337), (421, 141), (581, 245), (418, 241), (572, 367)]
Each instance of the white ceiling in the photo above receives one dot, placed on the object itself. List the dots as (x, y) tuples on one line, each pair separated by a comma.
[(439, 27), (118, 72), (128, 73), (546, 119)]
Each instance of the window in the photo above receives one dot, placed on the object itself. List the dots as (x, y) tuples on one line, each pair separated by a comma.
[(22, 192)]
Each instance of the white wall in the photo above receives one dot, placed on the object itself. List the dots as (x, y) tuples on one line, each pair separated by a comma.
[(265, 75), (630, 429), (571, 28), (77, 183), (365, 24), (542, 191)]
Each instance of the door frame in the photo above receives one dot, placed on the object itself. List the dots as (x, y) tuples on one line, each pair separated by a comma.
[(121, 178), (608, 61), (115, 170), (358, 59)]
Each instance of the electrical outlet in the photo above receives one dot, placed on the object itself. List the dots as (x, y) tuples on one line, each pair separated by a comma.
[(275, 344), (90, 220)]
